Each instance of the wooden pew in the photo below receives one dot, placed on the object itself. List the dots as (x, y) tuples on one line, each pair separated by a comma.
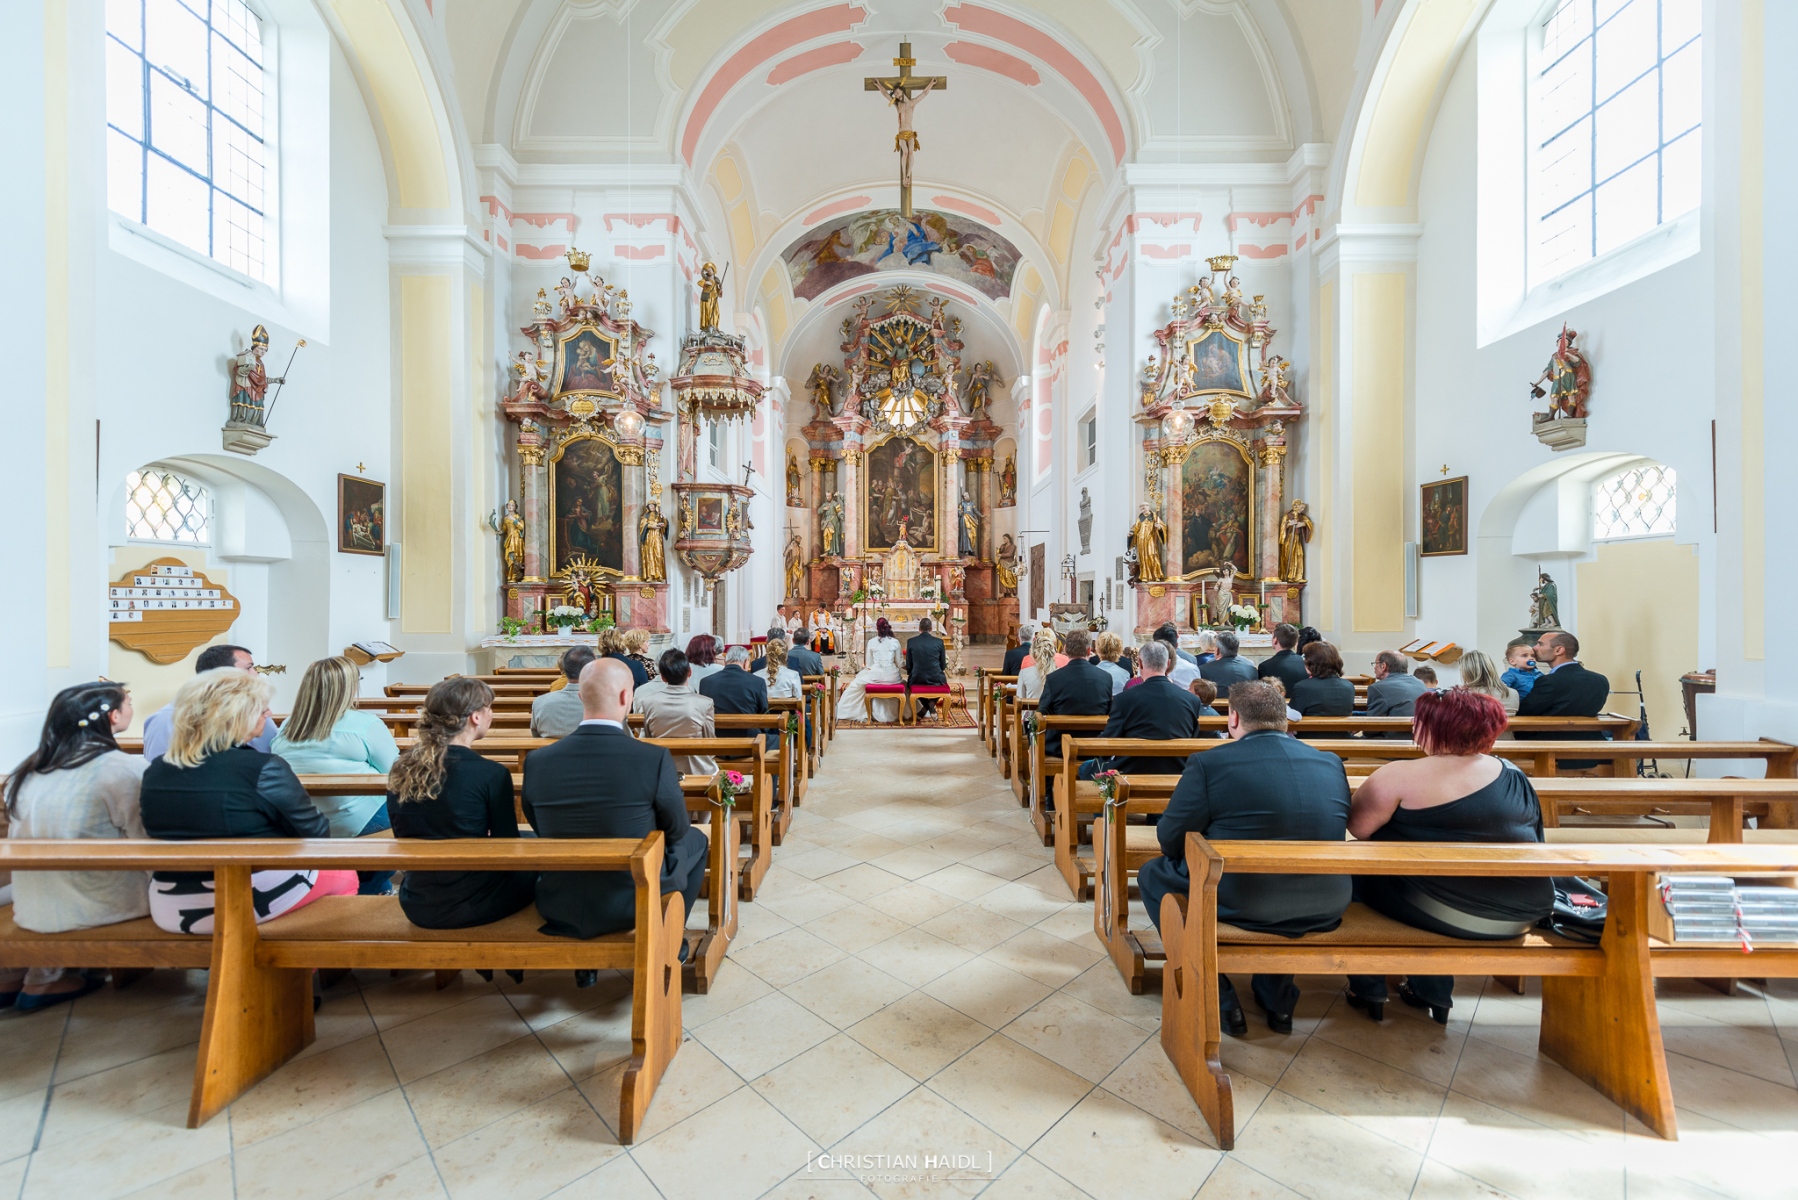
[(259, 990), (1077, 802), (1002, 701), (1013, 749), (791, 707), (1041, 819), (705, 947), (817, 689), (992, 688), (1599, 1019)]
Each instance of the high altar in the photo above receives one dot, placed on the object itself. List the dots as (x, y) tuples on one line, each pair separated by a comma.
[(902, 485), (1216, 528), (588, 527)]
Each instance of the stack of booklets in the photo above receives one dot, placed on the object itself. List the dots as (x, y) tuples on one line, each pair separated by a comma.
[(1768, 914), (1713, 908)]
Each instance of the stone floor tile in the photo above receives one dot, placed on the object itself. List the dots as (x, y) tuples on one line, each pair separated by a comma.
[(695, 1080), (915, 956), (833, 1088), (1011, 1090), (1318, 1154), (855, 927), (459, 1099), (919, 1035), (847, 991), (1089, 1144), (738, 1148), (991, 994), (787, 957), (923, 1122), (333, 1153), (1076, 1035), (756, 1038), (530, 1153), (1378, 1098), (449, 1036)]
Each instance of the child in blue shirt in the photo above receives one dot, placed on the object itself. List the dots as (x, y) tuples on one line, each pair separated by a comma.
[(1520, 673)]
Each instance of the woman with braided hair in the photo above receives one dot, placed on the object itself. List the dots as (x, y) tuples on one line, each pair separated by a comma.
[(1043, 659), (440, 788)]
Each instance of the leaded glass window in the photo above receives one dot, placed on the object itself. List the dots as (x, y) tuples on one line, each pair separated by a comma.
[(1635, 503), (161, 506)]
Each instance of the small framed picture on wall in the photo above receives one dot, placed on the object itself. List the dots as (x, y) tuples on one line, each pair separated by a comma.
[(1444, 521), (361, 515)]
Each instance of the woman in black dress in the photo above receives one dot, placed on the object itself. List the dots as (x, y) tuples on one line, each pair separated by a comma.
[(1460, 793), (440, 788)]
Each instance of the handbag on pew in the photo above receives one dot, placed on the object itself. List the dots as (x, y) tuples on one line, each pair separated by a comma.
[(1579, 909)]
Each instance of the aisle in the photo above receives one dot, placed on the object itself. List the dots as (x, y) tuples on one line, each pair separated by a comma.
[(912, 982)]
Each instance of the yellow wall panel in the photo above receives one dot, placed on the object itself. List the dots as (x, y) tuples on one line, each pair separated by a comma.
[(1390, 148), (1378, 454), (407, 114), (1320, 563), (742, 233), (730, 180), (425, 473), (1061, 232), (1642, 602), (1074, 181)]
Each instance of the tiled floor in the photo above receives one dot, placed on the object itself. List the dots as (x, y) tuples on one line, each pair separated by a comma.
[(912, 982)]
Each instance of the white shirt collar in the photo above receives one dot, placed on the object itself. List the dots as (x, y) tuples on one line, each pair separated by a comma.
[(618, 725), (1572, 662)]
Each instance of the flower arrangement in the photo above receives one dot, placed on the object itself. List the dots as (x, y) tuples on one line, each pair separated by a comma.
[(930, 591), (1030, 728), (732, 784), (602, 621), (513, 626), (877, 591), (793, 724), (563, 617), (1243, 615), (1108, 785)]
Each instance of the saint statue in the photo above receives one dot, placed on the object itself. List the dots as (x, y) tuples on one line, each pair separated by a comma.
[(901, 572), (1295, 530), (969, 526), (795, 568), (733, 521), (830, 526), (794, 499), (822, 379), (1569, 378), (711, 289), (1085, 524), (1148, 537), (1545, 603), (250, 380), (978, 391), (512, 542), (1007, 566), (652, 533), (1008, 482)]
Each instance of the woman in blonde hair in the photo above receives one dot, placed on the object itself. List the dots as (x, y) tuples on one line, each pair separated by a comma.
[(636, 648), (1042, 660), (211, 783), (441, 788), (611, 644), (1111, 647), (783, 681)]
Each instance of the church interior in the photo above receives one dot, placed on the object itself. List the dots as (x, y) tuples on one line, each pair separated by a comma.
[(1073, 417)]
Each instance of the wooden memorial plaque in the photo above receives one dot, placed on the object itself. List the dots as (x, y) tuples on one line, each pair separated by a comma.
[(164, 609)]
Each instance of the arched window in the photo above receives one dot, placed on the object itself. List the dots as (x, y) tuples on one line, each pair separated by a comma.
[(1638, 502), (161, 506), (185, 147), (1616, 97)]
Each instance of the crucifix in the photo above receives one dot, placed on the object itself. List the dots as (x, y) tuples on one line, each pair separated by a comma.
[(903, 92)]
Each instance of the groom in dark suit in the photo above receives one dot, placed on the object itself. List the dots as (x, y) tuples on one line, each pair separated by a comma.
[(925, 664)]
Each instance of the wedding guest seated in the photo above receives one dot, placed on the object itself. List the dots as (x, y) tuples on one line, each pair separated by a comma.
[(702, 656), (1111, 648), (636, 648), (1426, 675), (1479, 674), (1154, 710), (776, 633), (1206, 691), (782, 681), (1037, 666), (156, 725), (555, 714), (673, 708), (1168, 632), (1458, 793), (1014, 657), (599, 782), (1307, 635), (76, 784), (802, 658), (1520, 668), (1185, 668), (441, 788), (1567, 689), (1394, 690), (736, 690), (611, 645), (1207, 651), (1323, 692), (212, 783), (1263, 786), (325, 736), (1229, 668), (1078, 689), (1285, 664)]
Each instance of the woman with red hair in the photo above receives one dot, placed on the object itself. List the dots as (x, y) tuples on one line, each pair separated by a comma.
[(702, 657), (1458, 793)]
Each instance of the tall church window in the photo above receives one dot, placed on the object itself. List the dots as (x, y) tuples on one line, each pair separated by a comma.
[(1638, 502), (161, 506), (185, 142), (1616, 100)]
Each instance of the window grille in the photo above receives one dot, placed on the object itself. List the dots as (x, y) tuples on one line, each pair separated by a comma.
[(161, 506), (1639, 502)]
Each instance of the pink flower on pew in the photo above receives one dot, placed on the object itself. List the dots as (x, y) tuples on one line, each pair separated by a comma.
[(1108, 785), (731, 784)]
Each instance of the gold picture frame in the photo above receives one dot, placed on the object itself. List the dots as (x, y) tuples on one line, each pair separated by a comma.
[(1213, 373), (1251, 532), (556, 517), (880, 544), (581, 359)]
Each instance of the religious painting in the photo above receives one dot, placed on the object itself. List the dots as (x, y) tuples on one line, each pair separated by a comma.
[(885, 240), (581, 369), (900, 490), (710, 514), (1217, 500), (1220, 363), (361, 516), (1039, 571), (586, 496), (1445, 517)]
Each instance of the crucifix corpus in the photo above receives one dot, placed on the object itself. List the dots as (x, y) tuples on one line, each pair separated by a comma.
[(903, 92)]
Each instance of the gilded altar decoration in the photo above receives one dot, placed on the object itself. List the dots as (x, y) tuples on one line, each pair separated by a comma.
[(1148, 538), (901, 494), (983, 380), (652, 535), (512, 542), (795, 564), (1008, 482), (900, 571), (1006, 562), (583, 585), (246, 429), (1568, 377), (711, 291), (821, 383), (714, 528), (902, 364), (1296, 528)]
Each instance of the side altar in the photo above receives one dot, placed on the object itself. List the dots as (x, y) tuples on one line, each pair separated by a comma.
[(1214, 528), (902, 488), (587, 528)]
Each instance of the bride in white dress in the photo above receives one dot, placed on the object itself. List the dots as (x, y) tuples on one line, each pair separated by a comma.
[(883, 667)]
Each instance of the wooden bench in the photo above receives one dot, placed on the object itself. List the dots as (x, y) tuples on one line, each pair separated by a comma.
[(817, 688), (991, 688), (259, 991), (1599, 1019), (1078, 803), (705, 947), (1037, 785), (1014, 758)]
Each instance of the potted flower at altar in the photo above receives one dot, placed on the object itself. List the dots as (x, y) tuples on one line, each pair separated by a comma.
[(1242, 616), (602, 621), (511, 627), (564, 617)]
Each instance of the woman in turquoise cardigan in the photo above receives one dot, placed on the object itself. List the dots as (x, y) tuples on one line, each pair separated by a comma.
[(326, 736)]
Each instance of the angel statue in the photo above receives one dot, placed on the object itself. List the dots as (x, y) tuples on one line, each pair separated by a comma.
[(565, 290), (983, 380), (540, 308), (1296, 528), (1273, 381), (652, 532), (511, 528), (1148, 537), (823, 378)]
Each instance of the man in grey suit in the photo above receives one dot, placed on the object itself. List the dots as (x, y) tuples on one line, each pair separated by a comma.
[(1394, 690), (556, 714), (675, 709), (1228, 667), (802, 658)]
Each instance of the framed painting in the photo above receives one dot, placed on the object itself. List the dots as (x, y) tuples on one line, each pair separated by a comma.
[(900, 490), (1220, 363), (710, 514), (1217, 508), (1444, 523), (361, 515), (582, 364), (586, 496)]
